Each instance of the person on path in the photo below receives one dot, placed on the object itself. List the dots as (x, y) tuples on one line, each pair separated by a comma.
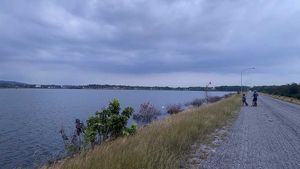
[(254, 101), (244, 100)]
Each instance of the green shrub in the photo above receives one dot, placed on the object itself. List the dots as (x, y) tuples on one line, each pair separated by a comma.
[(109, 123)]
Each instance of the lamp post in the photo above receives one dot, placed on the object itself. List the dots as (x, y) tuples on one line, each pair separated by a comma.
[(250, 68), (206, 92)]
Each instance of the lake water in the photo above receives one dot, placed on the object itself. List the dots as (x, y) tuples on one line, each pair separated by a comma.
[(31, 118)]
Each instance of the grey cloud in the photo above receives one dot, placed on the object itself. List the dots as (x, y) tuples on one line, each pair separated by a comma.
[(139, 37)]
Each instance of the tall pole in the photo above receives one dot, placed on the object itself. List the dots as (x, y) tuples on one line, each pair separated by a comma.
[(242, 77), (241, 82), (206, 92)]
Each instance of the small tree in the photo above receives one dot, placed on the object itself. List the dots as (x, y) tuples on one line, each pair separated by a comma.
[(106, 124), (109, 123), (174, 109), (147, 113)]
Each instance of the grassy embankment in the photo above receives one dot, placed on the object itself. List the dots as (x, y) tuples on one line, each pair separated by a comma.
[(284, 98), (161, 144)]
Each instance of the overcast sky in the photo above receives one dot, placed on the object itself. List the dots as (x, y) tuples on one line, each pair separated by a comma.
[(150, 42)]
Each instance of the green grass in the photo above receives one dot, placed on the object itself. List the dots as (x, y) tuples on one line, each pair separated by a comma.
[(286, 99), (160, 145)]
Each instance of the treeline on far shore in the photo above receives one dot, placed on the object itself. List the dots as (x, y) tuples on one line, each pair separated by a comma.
[(10, 84), (288, 90)]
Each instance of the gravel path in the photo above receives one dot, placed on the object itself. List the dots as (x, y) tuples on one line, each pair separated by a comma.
[(266, 137)]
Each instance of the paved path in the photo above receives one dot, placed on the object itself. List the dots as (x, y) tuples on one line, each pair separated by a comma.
[(266, 137)]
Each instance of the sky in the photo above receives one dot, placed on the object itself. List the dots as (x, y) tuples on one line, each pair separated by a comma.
[(150, 42)]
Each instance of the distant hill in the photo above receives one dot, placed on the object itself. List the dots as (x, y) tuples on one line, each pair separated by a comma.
[(10, 82), (13, 84)]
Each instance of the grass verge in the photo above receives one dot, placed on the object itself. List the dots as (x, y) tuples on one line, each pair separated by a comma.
[(286, 99), (161, 144)]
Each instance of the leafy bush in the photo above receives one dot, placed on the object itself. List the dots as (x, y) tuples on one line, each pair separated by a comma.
[(174, 109), (129, 131), (106, 124), (147, 113), (109, 123)]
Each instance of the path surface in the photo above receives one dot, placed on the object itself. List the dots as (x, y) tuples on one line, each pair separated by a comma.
[(266, 137)]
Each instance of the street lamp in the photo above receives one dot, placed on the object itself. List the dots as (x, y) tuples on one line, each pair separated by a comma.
[(206, 92), (250, 68)]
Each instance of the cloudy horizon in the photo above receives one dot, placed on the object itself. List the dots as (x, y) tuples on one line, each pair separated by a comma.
[(150, 43)]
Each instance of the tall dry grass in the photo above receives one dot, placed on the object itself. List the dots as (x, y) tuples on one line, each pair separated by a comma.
[(286, 99), (161, 144)]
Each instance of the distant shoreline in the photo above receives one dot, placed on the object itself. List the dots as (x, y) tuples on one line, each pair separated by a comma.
[(19, 85), (116, 89)]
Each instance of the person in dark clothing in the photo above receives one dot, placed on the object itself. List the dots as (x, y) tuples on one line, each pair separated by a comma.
[(254, 101), (244, 100)]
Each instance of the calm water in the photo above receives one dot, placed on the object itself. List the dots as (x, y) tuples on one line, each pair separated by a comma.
[(31, 118)]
